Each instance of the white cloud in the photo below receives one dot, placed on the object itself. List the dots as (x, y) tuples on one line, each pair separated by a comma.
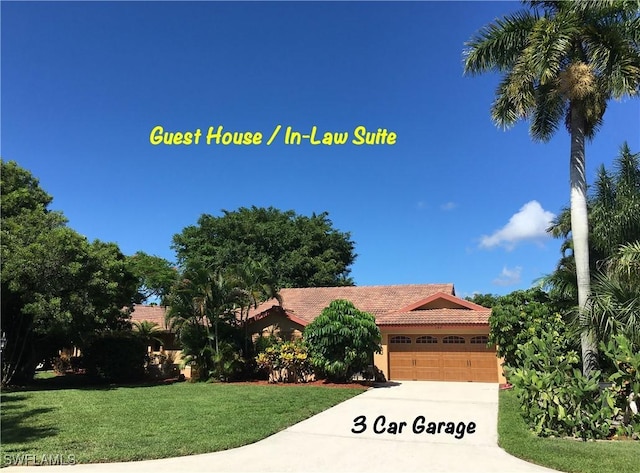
[(529, 223), (508, 277), (449, 206), (421, 205)]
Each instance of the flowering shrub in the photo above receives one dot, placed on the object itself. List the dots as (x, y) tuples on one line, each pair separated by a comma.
[(286, 362)]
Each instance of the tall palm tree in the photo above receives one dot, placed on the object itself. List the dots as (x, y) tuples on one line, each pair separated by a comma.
[(561, 62)]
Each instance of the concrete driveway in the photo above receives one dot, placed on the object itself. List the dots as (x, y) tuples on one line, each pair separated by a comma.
[(403, 427)]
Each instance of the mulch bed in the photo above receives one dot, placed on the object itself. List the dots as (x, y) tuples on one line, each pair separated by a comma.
[(354, 384)]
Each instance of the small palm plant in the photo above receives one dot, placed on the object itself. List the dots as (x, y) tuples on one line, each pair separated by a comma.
[(148, 332)]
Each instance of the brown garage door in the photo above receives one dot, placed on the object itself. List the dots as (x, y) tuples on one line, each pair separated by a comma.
[(442, 358)]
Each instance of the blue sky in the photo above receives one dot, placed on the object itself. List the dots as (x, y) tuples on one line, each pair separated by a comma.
[(455, 199)]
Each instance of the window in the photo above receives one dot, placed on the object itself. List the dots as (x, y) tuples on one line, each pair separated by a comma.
[(452, 339), (426, 339), (398, 339), (480, 340)]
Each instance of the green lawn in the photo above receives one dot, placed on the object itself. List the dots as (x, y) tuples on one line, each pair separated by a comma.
[(572, 456), (135, 423)]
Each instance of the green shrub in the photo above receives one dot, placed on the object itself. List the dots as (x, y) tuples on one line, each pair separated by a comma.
[(227, 363), (342, 341), (286, 362), (224, 363), (625, 383), (556, 399), (116, 357), (265, 341)]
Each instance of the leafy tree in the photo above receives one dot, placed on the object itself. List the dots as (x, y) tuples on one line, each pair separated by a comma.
[(21, 192), (300, 251), (342, 340), (519, 316), (155, 276), (485, 300), (57, 288), (562, 62)]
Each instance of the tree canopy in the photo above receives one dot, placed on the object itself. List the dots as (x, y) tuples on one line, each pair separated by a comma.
[(485, 300), (58, 289), (299, 251), (155, 276)]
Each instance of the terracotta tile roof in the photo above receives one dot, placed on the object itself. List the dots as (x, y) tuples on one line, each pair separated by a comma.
[(307, 303), (436, 316), (149, 313), (411, 304)]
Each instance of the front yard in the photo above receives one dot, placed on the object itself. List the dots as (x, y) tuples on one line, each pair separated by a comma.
[(572, 456), (145, 422)]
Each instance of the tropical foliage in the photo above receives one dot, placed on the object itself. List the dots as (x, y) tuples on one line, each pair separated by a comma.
[(614, 213), (254, 284), (625, 382), (560, 64), (147, 331), (520, 316), (202, 312), (556, 398), (342, 341), (208, 310)]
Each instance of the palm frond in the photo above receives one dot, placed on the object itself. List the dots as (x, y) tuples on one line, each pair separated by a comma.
[(551, 41), (614, 307), (515, 98), (497, 46), (561, 225), (626, 262), (548, 113)]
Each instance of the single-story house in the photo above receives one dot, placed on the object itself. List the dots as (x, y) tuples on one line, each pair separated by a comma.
[(427, 332)]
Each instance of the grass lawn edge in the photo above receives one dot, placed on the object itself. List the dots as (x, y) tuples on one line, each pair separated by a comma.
[(566, 455)]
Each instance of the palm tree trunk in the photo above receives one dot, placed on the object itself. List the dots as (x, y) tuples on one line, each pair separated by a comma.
[(580, 230)]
